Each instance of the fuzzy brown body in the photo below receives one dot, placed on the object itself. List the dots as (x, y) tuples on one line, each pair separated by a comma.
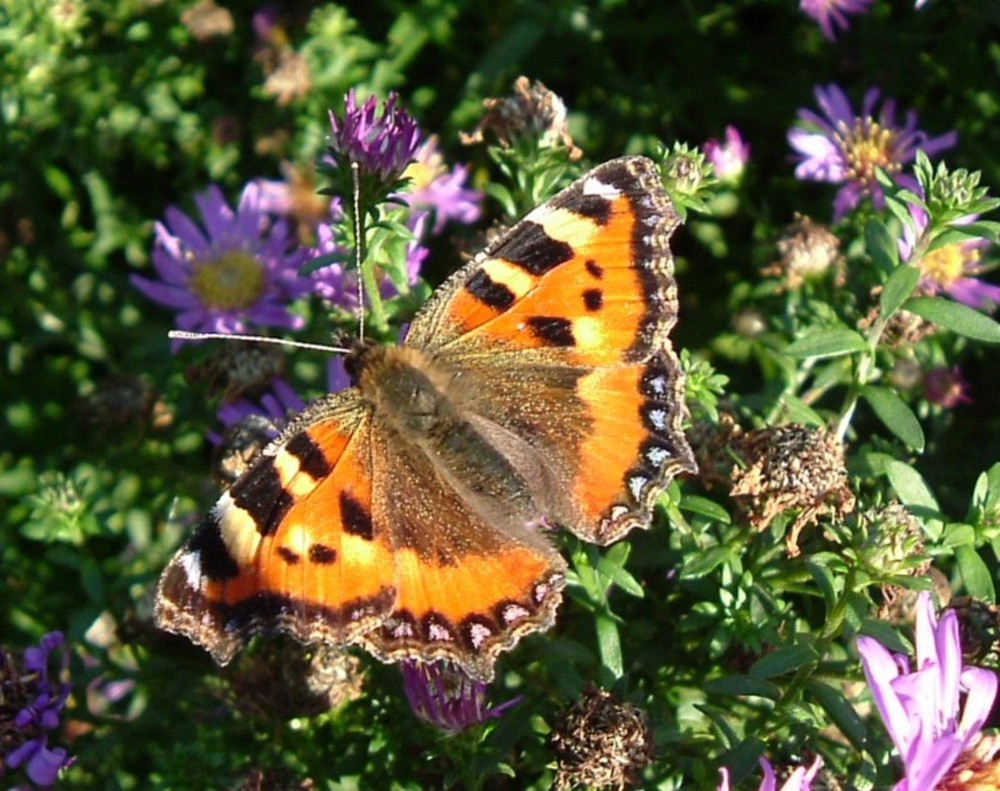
[(536, 388)]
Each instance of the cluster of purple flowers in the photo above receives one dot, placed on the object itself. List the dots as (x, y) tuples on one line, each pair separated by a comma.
[(241, 269), (31, 703)]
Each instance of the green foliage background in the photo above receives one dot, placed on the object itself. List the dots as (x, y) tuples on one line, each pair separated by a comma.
[(111, 111)]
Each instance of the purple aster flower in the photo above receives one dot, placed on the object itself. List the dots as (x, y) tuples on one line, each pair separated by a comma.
[(239, 269), (952, 268), (275, 406), (832, 14), (946, 387), (728, 158), (433, 187), (445, 696), (922, 707), (382, 144), (799, 780), (845, 148), (31, 703)]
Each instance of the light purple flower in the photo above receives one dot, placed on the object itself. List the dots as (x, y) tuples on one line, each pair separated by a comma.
[(945, 387), (445, 696), (236, 269), (922, 708), (435, 188), (381, 144), (832, 14), (799, 780), (728, 158), (276, 406), (845, 148), (953, 268), (36, 701)]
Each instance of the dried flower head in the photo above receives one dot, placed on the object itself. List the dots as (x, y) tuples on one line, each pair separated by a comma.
[(238, 370), (904, 328), (290, 78), (122, 402), (602, 742), (809, 251), (447, 697), (977, 769), (286, 679), (791, 469), (31, 703), (978, 629), (275, 779), (206, 20), (532, 112)]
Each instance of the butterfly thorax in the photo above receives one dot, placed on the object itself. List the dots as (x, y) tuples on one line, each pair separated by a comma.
[(425, 402)]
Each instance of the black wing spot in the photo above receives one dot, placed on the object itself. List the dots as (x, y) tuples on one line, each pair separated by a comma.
[(553, 330), (320, 553), (593, 299), (260, 494), (489, 292), (357, 518), (534, 250), (596, 270), (593, 207), (213, 556), (312, 461), (287, 555)]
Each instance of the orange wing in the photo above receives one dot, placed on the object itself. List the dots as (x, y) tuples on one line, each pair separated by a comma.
[(565, 322), (291, 546)]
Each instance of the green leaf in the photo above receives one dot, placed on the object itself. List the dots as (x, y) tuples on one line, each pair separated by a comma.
[(705, 507), (956, 317), (783, 661), (609, 644), (827, 343), (881, 246), (743, 685), (898, 288), (841, 712), (895, 414), (915, 493), (975, 573), (699, 564)]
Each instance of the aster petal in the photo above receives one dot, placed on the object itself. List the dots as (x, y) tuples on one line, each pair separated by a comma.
[(881, 670), (834, 104), (981, 688), (43, 768), (769, 783), (975, 293), (172, 269), (171, 296), (185, 230), (215, 213), (949, 657)]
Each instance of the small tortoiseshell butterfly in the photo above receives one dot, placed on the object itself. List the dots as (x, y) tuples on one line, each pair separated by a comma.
[(537, 387)]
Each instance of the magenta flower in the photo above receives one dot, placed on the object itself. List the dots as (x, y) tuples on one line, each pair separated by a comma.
[(31, 702), (923, 707), (832, 14), (799, 780), (382, 145), (435, 188), (845, 148), (728, 158), (448, 698), (953, 268), (946, 387), (237, 270)]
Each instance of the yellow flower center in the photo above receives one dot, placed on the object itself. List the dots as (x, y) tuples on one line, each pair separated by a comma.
[(867, 146), (946, 264), (233, 280)]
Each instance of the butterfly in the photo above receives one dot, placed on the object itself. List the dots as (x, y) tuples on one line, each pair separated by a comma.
[(412, 513)]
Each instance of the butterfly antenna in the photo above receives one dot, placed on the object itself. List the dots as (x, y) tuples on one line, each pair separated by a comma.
[(184, 335), (359, 243)]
